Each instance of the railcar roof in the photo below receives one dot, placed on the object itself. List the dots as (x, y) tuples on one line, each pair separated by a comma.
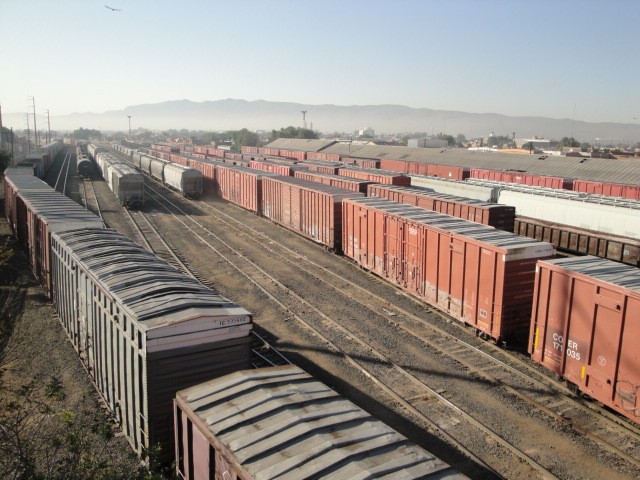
[(155, 293), (282, 423)]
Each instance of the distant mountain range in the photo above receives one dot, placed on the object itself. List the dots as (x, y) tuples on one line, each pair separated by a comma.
[(234, 114)]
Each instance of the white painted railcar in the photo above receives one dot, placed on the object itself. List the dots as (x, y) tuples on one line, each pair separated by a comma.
[(142, 329), (185, 180)]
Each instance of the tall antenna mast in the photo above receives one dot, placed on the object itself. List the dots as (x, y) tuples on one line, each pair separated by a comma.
[(35, 128), (304, 119), (48, 127), (28, 136)]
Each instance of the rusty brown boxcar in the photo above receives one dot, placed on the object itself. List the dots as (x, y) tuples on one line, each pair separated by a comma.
[(347, 183), (286, 170), (376, 175), (609, 189), (523, 178), (451, 172), (241, 186), (308, 208), (208, 168), (585, 326), (332, 157), (498, 216), (477, 274), (296, 426), (322, 166)]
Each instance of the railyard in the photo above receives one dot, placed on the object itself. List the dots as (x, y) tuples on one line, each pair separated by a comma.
[(479, 408)]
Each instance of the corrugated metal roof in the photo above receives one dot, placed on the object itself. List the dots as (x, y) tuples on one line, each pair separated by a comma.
[(510, 243), (282, 423), (608, 271), (597, 169), (307, 145), (154, 293)]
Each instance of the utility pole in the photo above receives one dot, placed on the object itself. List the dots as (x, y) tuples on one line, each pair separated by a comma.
[(1, 132), (48, 127), (12, 139), (35, 127), (304, 119), (129, 116), (28, 136)]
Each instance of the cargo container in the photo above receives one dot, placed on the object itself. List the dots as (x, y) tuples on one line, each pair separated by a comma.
[(335, 180), (609, 189), (322, 166), (268, 151), (296, 426), (241, 186), (450, 172), (156, 168), (477, 274), (361, 162), (297, 154), (248, 150), (308, 208), (581, 241), (142, 329), (375, 175), (283, 169), (185, 180), (498, 216), (15, 184), (127, 185), (331, 157), (585, 326), (523, 178)]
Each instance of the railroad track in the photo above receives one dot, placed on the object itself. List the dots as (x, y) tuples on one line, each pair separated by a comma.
[(614, 433), (371, 362), (611, 432), (66, 162), (89, 197), (263, 353)]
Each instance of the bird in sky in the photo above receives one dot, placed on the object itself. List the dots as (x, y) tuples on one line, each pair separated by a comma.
[(111, 8)]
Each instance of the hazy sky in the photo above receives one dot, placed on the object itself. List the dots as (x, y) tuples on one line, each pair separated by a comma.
[(516, 57)]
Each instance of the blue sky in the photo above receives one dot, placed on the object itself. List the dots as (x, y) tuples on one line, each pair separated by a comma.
[(518, 57)]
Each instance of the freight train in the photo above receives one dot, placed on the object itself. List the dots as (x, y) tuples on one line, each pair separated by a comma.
[(123, 180), (484, 277), (145, 332), (41, 162)]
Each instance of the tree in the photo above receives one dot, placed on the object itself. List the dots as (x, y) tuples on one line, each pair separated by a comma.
[(5, 160), (569, 142), (460, 139), (245, 138), (449, 138), (86, 134), (293, 132)]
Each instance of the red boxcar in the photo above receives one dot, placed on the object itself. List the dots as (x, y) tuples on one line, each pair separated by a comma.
[(311, 209), (215, 152), (208, 168), (451, 172), (240, 185), (181, 159), (479, 275), (376, 176), (585, 326), (297, 154), (331, 157), (200, 149), (268, 151), (498, 216), (323, 166), (284, 169), (523, 178), (347, 183), (609, 189), (249, 150)]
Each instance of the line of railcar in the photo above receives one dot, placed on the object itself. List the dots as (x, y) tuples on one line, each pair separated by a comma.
[(40, 162), (575, 222), (125, 182), (145, 332), (489, 279)]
